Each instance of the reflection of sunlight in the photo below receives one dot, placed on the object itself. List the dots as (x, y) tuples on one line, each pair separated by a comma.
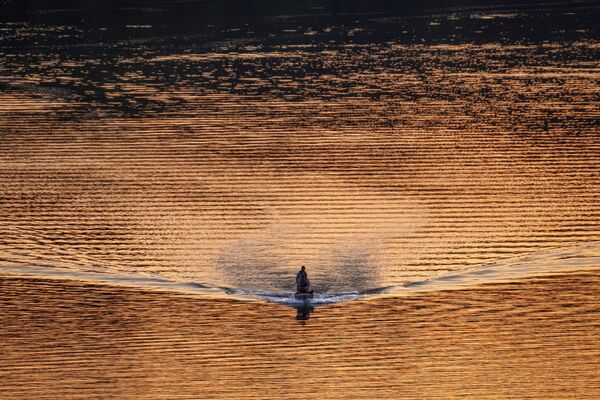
[(371, 162), (337, 231)]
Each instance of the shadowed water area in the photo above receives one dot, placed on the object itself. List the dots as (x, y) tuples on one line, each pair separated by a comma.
[(166, 167)]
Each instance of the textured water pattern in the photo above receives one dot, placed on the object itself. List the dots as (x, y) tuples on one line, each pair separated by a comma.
[(164, 174), (535, 339)]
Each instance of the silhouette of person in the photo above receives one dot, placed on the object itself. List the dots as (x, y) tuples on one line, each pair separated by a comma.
[(302, 282)]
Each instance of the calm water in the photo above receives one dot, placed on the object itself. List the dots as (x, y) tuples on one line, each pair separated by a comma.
[(165, 170)]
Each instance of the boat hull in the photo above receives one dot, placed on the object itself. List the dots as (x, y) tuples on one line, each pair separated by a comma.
[(303, 296)]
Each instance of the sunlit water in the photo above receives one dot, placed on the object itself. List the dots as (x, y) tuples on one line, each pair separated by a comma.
[(176, 167)]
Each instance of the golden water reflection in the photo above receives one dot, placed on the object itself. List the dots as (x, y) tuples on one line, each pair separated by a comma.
[(536, 339), (378, 149)]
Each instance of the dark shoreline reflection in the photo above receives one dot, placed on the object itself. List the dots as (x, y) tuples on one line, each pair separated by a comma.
[(155, 59)]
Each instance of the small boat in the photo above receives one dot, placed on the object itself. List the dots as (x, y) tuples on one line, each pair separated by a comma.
[(304, 294)]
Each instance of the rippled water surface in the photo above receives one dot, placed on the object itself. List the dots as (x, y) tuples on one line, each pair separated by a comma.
[(536, 339), (165, 170)]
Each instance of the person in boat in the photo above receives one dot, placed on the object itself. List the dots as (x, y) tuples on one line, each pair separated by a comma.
[(302, 282)]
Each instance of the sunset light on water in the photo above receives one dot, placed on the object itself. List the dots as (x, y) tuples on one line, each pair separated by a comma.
[(167, 168)]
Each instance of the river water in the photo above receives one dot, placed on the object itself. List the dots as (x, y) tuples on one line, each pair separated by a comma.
[(166, 169)]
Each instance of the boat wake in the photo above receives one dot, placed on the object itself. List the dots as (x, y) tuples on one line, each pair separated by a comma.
[(561, 260), (319, 299)]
